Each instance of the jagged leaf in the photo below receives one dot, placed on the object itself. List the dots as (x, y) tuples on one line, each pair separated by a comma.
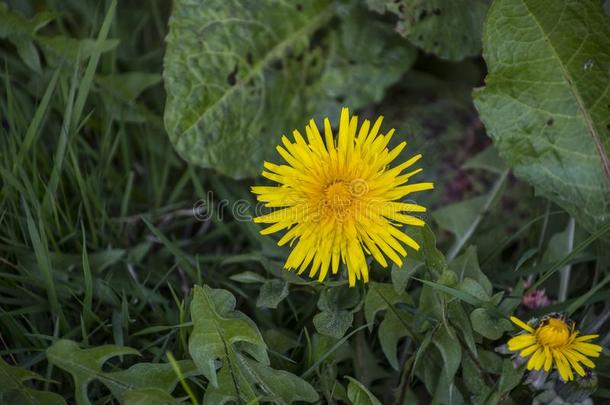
[(449, 29), (13, 391), (85, 365), (546, 99), (277, 386), (222, 333), (238, 76), (217, 327)]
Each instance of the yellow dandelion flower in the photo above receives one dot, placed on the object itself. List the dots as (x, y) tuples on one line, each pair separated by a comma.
[(554, 341), (338, 200)]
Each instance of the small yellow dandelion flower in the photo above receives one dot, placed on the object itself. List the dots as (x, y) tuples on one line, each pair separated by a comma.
[(554, 341), (338, 200)]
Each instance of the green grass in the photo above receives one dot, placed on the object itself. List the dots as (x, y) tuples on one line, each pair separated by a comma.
[(98, 242)]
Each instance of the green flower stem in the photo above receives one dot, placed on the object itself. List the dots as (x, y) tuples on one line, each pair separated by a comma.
[(459, 244), (564, 273)]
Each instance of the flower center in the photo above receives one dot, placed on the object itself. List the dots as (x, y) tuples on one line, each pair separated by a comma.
[(338, 197), (555, 333)]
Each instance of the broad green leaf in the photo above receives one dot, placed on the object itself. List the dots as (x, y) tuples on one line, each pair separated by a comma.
[(333, 323), (373, 67), (473, 288), (217, 327), (453, 292), (61, 50), (272, 292), (511, 376), (461, 322), (488, 325), (277, 386), (248, 277), (444, 340), (128, 86), (238, 76), (12, 389), (448, 29), (546, 99), (358, 394), (467, 265), (472, 376), (149, 396), (85, 365), (458, 217), (402, 275), (272, 386), (395, 324), (380, 297), (160, 376), (336, 310), (488, 160)]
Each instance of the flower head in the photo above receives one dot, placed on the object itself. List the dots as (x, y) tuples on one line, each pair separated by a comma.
[(536, 299), (338, 200), (554, 341)]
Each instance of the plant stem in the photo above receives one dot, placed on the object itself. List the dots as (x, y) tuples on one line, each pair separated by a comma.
[(461, 241), (564, 273)]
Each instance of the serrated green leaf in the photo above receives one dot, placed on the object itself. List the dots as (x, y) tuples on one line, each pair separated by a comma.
[(85, 365), (358, 394), (217, 327), (248, 380), (239, 76), (546, 99), (277, 386), (272, 292), (448, 29), (222, 333), (159, 376), (12, 389)]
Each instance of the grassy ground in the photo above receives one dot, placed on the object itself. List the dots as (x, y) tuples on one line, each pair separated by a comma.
[(98, 240)]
